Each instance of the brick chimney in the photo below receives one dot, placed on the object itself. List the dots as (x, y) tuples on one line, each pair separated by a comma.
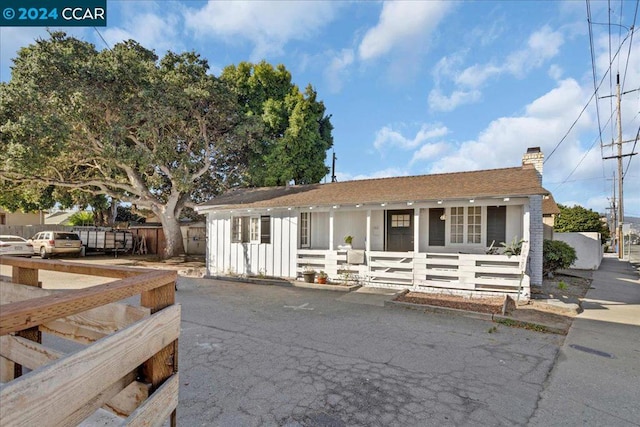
[(534, 157)]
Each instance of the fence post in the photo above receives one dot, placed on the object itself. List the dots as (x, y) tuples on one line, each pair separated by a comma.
[(164, 363), (29, 277)]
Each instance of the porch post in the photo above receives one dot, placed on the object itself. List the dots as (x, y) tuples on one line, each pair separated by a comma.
[(416, 230), (367, 244), (331, 243)]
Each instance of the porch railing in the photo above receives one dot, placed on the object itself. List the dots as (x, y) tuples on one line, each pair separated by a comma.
[(127, 372), (454, 273)]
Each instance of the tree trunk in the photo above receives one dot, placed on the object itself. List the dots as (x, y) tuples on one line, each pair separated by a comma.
[(172, 236)]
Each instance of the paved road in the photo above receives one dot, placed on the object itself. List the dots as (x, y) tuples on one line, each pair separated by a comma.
[(259, 355), (254, 355)]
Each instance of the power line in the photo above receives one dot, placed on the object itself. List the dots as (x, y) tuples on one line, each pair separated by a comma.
[(632, 151)]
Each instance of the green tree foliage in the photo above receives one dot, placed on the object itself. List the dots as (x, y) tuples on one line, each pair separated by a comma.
[(81, 218), (577, 219), (163, 134), (557, 255), (296, 133)]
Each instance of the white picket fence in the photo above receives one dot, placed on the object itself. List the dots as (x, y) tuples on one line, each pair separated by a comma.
[(451, 273)]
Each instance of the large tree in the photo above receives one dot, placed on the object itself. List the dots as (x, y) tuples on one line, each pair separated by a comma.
[(577, 218), (162, 134), (297, 130)]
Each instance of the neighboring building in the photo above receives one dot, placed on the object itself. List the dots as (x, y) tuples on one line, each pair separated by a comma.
[(550, 210), (58, 217), (21, 218), (428, 232)]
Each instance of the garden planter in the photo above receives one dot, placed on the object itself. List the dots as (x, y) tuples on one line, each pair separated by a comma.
[(322, 280), (309, 277)]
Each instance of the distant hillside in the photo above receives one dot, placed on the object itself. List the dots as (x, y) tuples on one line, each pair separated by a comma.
[(633, 220)]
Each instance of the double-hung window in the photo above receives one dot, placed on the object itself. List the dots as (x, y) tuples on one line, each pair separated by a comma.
[(251, 229), (305, 229)]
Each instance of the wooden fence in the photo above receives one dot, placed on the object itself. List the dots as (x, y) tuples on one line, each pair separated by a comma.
[(452, 273), (127, 374)]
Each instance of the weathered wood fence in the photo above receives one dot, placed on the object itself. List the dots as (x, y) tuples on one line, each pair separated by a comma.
[(126, 374)]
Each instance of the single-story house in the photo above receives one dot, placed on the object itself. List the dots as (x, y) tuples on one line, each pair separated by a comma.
[(550, 211), (431, 233)]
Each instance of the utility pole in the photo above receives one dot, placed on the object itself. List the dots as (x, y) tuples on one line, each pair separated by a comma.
[(620, 184), (333, 168)]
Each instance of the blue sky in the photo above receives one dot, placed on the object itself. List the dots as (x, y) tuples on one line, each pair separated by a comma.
[(425, 87)]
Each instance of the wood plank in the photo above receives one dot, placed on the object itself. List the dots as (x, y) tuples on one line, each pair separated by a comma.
[(64, 387), (26, 352), (155, 410), (7, 370), (25, 276), (14, 292), (117, 272), (128, 400), (25, 314), (71, 331), (99, 401)]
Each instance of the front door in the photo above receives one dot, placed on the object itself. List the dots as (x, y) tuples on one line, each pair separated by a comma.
[(436, 227), (400, 230)]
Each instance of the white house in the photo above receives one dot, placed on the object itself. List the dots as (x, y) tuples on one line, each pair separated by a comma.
[(428, 232)]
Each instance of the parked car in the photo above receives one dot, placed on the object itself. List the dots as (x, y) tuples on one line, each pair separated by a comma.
[(49, 243), (15, 246)]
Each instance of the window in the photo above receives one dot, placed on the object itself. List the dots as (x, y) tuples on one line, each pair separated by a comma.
[(3, 219), (457, 225), (466, 225), (474, 224), (265, 229), (254, 229), (305, 229), (400, 221), (236, 229)]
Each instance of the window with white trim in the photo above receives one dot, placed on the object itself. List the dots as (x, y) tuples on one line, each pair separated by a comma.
[(457, 225), (474, 224), (254, 229), (465, 224), (305, 229)]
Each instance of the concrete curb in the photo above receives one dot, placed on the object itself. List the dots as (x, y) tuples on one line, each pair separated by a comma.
[(286, 283), (497, 318)]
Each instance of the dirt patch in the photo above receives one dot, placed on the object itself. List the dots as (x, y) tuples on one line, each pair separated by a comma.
[(565, 288), (479, 305)]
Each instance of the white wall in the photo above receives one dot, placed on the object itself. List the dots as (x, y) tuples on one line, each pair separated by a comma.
[(350, 223), (514, 224), (272, 259), (377, 230), (588, 249), (319, 230)]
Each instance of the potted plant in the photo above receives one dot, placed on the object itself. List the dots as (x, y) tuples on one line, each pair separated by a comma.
[(309, 274), (348, 239), (322, 277)]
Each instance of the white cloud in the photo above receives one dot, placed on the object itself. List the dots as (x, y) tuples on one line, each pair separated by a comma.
[(543, 124), (384, 173), (402, 23), (555, 71), (542, 45), (440, 102), (268, 25), (429, 151), (336, 72), (389, 137)]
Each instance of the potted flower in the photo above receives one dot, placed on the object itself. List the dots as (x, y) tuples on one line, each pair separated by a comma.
[(322, 277), (309, 274), (348, 239)]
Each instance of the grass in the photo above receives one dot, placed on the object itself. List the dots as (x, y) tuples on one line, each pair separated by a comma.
[(524, 325), (562, 285)]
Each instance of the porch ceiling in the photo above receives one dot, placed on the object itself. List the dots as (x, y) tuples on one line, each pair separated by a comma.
[(507, 182)]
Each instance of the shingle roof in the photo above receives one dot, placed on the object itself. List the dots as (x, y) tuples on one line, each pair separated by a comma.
[(507, 182), (549, 206)]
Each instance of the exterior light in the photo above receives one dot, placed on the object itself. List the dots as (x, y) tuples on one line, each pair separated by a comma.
[(506, 199), (358, 205), (471, 200), (439, 202), (336, 206), (289, 209), (383, 204), (268, 209), (310, 207), (409, 203)]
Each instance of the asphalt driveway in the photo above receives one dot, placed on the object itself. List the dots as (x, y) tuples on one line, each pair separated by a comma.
[(266, 355)]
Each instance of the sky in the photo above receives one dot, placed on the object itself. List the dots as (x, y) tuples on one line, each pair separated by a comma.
[(422, 87)]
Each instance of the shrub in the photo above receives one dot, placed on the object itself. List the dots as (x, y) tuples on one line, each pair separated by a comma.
[(557, 255)]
